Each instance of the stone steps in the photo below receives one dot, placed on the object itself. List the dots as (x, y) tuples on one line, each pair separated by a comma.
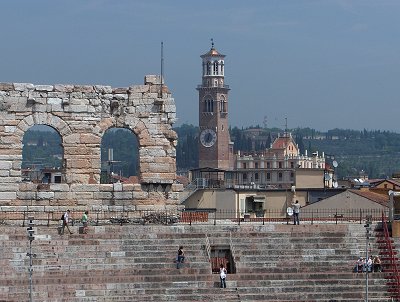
[(136, 263)]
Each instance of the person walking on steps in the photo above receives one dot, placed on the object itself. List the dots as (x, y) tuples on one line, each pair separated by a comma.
[(222, 275), (65, 222), (296, 212), (180, 257)]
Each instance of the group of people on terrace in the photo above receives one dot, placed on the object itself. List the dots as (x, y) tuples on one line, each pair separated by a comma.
[(372, 264)]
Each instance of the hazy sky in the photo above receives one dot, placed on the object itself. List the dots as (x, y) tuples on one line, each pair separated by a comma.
[(320, 64)]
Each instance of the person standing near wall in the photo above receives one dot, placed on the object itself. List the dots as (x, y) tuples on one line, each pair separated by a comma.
[(296, 212)]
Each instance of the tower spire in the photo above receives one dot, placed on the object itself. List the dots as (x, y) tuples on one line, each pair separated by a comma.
[(212, 43)]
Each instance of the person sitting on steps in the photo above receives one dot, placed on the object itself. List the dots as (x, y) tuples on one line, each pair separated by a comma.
[(377, 264)]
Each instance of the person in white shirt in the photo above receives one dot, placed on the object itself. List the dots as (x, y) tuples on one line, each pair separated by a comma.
[(222, 275), (369, 264), (65, 222), (296, 211)]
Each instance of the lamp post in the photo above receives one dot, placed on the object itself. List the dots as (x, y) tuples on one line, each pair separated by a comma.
[(31, 237), (367, 226)]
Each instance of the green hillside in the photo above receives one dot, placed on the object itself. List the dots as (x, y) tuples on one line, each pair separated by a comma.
[(375, 152)]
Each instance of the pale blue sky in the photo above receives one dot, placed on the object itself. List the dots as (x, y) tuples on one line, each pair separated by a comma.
[(322, 64)]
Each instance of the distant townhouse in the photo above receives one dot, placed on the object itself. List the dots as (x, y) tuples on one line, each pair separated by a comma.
[(281, 166)]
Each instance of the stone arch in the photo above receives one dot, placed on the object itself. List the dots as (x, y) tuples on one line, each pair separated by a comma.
[(81, 114), (44, 118)]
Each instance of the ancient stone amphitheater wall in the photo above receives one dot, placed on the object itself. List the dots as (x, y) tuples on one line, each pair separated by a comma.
[(81, 114)]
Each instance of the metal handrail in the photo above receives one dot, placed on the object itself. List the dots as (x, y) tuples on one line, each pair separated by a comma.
[(391, 254), (198, 216), (233, 251), (208, 248)]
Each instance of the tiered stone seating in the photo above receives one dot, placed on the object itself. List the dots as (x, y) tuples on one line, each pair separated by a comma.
[(110, 263), (136, 263), (301, 263)]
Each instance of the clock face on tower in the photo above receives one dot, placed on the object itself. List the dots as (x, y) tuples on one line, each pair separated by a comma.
[(208, 137)]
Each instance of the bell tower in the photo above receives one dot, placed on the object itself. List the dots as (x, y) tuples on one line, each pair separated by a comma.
[(215, 148)]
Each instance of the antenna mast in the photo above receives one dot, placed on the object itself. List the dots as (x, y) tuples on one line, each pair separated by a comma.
[(162, 65)]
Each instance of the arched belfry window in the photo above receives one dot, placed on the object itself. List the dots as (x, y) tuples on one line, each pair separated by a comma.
[(215, 67), (119, 156), (222, 67), (208, 68)]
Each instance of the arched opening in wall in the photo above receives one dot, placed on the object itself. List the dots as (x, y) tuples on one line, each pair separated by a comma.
[(42, 155), (119, 156)]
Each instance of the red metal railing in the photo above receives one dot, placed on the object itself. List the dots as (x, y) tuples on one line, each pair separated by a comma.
[(391, 265)]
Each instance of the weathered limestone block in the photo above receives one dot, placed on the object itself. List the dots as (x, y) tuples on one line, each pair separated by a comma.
[(76, 108), (5, 165), (54, 101), (90, 139), (4, 173), (103, 89), (123, 195), (140, 195), (59, 187), (63, 88), (44, 195), (7, 195), (44, 88), (102, 195), (73, 139), (84, 188), (137, 89), (6, 86), (83, 88), (23, 86)]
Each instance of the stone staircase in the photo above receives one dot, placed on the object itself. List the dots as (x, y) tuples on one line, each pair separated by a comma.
[(136, 263), (301, 263)]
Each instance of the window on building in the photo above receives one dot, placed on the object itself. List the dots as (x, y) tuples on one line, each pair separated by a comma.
[(292, 165), (222, 104), (280, 165), (244, 176), (256, 176), (244, 165), (256, 165), (216, 68), (208, 68), (208, 105), (291, 175), (268, 176), (268, 165), (280, 177)]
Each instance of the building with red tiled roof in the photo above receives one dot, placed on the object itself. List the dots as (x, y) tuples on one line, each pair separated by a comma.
[(281, 166)]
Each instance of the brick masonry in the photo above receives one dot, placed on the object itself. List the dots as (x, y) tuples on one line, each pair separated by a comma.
[(81, 114)]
